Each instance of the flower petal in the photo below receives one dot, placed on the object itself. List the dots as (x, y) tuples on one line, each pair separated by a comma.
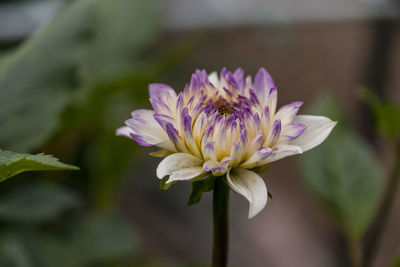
[(272, 100), (280, 152), (238, 76), (236, 153), (186, 174), (274, 134), (263, 83), (217, 168), (168, 124), (213, 78), (318, 129), (124, 131), (288, 112), (162, 94), (199, 127), (160, 107), (251, 186), (291, 131), (146, 131), (255, 144), (261, 154), (177, 162), (186, 121)]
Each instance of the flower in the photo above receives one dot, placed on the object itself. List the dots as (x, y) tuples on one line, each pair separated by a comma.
[(224, 126)]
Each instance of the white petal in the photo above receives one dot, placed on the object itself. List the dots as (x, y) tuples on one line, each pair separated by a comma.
[(124, 131), (274, 134), (280, 152), (255, 144), (236, 153), (163, 98), (146, 131), (177, 162), (288, 112), (186, 122), (260, 155), (291, 131), (210, 164), (217, 168), (186, 174), (251, 186), (272, 100), (213, 78), (318, 129), (263, 83), (199, 127)]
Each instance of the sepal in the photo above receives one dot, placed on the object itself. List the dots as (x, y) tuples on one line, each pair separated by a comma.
[(164, 185), (200, 187)]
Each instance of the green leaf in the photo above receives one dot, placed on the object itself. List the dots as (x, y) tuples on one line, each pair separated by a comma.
[(36, 203), (200, 187), (396, 262), (386, 114), (88, 43), (344, 173), (12, 163)]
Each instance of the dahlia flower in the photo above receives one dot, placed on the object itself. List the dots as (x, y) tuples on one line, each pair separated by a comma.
[(224, 126)]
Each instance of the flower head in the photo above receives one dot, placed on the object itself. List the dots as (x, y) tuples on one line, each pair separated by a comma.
[(227, 125)]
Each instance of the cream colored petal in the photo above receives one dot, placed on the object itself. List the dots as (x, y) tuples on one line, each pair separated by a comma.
[(124, 131), (259, 156), (213, 78), (236, 154), (318, 129), (210, 164), (177, 162), (254, 145), (286, 113), (279, 152), (186, 174), (217, 168), (251, 186), (146, 131)]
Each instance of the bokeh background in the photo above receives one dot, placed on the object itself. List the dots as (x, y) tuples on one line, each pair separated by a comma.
[(71, 72)]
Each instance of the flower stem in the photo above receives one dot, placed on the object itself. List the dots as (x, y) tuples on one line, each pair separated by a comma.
[(220, 217), (379, 224)]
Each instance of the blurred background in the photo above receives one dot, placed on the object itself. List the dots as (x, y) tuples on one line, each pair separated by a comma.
[(71, 72)]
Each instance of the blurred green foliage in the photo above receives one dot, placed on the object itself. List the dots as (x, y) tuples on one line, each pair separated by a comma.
[(12, 163), (396, 262), (344, 173), (37, 203), (386, 114), (90, 42), (43, 225), (64, 91)]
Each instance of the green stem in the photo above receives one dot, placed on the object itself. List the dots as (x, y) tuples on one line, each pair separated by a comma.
[(355, 251), (379, 224), (220, 217)]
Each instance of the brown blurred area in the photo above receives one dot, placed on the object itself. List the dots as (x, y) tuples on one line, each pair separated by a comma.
[(306, 60)]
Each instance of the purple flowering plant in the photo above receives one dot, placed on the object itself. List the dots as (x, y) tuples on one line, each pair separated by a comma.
[(222, 131)]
